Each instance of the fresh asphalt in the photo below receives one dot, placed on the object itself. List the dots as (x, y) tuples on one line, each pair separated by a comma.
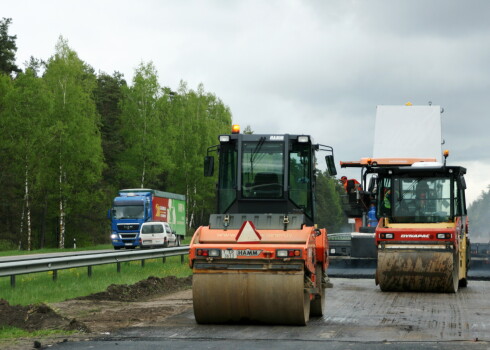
[(358, 316)]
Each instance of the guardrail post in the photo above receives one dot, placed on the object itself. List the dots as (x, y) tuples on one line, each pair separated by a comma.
[(55, 275), (164, 259), (89, 271), (12, 281), (143, 263), (182, 259)]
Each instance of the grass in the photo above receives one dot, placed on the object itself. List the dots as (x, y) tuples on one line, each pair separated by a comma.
[(40, 287), (8, 332)]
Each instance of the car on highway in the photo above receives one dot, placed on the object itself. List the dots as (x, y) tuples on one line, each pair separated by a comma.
[(158, 234)]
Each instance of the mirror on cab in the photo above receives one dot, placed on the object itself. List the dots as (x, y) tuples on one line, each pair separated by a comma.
[(208, 166), (463, 182), (332, 171), (373, 184)]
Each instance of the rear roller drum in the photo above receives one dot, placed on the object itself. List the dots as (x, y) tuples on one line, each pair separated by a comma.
[(415, 270)]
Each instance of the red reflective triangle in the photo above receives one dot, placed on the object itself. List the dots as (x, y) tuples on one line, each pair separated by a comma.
[(248, 233)]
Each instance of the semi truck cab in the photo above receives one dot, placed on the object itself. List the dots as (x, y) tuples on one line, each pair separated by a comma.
[(128, 212)]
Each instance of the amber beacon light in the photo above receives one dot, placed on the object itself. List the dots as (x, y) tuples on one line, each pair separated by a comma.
[(235, 129)]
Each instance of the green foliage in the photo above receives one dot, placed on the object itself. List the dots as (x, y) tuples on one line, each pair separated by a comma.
[(174, 131), (197, 118), (72, 283), (8, 48), (22, 127), (11, 333), (77, 161), (478, 216), (145, 156), (248, 130), (73, 139), (329, 212), (108, 97)]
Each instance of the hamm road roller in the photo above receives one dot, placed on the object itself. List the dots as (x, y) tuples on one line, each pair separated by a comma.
[(422, 233), (261, 259)]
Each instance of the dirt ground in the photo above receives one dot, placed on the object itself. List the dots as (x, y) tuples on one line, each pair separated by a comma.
[(144, 303)]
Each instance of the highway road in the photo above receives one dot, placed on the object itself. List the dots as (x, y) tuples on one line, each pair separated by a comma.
[(357, 316)]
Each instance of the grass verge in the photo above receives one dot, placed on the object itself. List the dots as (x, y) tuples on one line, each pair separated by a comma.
[(40, 287), (7, 333)]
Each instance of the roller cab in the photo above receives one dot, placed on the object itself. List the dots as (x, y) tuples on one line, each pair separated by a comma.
[(261, 258), (422, 234)]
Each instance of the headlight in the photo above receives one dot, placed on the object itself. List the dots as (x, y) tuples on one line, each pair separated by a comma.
[(114, 236)]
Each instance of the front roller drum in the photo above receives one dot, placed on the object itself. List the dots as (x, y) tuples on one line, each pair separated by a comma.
[(243, 296), (417, 270)]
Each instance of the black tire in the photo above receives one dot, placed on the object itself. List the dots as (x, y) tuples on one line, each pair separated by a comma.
[(316, 304), (165, 244), (117, 248)]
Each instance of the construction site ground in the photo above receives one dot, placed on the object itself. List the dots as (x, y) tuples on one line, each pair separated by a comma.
[(356, 312)]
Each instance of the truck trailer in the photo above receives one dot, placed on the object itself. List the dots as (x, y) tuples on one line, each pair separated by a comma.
[(132, 207)]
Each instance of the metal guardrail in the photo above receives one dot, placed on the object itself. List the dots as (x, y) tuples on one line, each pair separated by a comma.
[(54, 264)]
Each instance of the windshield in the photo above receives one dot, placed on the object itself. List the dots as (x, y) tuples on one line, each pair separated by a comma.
[(262, 169), (418, 199), (155, 228), (128, 211)]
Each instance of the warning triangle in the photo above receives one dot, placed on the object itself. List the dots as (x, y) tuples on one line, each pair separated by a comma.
[(248, 233)]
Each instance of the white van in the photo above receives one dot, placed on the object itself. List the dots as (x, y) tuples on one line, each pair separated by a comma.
[(158, 234)]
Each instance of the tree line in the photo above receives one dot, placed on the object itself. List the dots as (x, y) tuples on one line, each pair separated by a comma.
[(71, 138), (478, 214)]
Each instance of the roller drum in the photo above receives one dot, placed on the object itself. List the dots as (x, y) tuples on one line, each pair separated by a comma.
[(242, 296), (417, 270)]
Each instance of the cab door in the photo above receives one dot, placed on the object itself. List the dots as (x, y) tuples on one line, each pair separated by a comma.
[(171, 239)]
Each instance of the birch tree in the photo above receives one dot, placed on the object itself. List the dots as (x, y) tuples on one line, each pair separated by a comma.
[(143, 131), (78, 161), (198, 118), (28, 109)]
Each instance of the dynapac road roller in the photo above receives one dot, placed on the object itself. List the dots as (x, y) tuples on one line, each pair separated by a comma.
[(261, 259), (422, 234)]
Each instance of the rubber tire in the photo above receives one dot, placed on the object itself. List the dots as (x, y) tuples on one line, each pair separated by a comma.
[(316, 304), (454, 285), (165, 244), (117, 248)]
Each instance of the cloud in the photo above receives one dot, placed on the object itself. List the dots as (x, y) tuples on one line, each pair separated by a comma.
[(315, 67)]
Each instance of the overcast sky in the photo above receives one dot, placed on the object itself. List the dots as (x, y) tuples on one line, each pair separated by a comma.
[(313, 67)]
